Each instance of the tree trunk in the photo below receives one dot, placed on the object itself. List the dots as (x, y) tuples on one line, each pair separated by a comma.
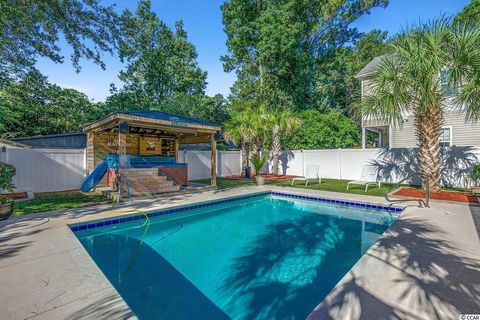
[(427, 129), (244, 151), (276, 148), (255, 150)]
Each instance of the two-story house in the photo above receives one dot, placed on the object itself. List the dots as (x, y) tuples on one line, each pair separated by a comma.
[(456, 130)]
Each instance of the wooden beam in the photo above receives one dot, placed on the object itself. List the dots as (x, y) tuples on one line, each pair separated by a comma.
[(193, 139), (213, 158)]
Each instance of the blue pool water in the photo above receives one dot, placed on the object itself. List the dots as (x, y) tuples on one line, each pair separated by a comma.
[(265, 257)]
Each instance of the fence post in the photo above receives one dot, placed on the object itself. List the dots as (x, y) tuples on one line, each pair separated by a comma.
[(85, 173), (303, 162), (241, 161), (340, 163)]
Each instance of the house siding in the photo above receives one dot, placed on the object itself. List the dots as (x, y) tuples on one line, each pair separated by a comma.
[(403, 136), (464, 133)]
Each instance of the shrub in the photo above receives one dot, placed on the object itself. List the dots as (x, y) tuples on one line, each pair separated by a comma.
[(258, 162), (5, 200), (6, 177), (323, 131), (476, 172)]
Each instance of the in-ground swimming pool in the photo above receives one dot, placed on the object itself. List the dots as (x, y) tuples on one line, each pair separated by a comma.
[(267, 256)]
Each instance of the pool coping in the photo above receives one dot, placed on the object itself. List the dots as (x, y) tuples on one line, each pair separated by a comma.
[(51, 252), (135, 216)]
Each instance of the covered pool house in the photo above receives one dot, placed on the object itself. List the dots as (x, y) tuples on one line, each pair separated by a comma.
[(151, 141)]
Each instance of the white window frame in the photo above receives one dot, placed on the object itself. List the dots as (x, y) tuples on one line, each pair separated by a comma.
[(454, 91), (450, 142)]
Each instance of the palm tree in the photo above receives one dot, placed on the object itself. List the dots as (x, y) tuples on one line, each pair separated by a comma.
[(241, 130), (283, 123), (432, 66), (262, 127)]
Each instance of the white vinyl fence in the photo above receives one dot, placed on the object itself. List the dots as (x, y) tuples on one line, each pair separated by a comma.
[(42, 170), (393, 164), (45, 170), (228, 163)]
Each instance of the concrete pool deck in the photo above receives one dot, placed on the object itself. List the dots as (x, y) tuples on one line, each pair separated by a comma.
[(426, 266)]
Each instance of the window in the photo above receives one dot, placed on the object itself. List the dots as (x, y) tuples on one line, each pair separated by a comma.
[(449, 89), (446, 137)]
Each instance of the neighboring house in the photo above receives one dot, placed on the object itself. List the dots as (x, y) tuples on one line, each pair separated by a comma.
[(456, 130), (9, 144), (76, 140)]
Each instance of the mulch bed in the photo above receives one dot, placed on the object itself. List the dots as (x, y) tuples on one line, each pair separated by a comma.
[(268, 177), (16, 195), (454, 196)]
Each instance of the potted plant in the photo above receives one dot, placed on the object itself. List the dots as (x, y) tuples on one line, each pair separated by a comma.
[(475, 175), (6, 203), (258, 163)]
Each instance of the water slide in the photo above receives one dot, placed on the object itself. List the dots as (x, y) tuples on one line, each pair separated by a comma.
[(95, 177)]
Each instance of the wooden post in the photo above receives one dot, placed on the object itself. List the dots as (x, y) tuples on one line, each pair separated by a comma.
[(122, 143), (213, 157), (90, 152), (122, 150), (176, 150)]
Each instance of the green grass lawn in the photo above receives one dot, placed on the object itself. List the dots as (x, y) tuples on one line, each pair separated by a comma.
[(56, 201), (223, 183), (326, 185), (336, 186)]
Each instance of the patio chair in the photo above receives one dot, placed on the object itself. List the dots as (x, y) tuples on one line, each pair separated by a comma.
[(369, 177), (311, 174)]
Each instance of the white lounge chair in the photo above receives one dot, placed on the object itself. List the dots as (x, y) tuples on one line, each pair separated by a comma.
[(311, 174), (369, 177)]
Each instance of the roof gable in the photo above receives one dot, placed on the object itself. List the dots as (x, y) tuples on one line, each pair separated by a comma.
[(159, 115), (154, 117), (370, 67)]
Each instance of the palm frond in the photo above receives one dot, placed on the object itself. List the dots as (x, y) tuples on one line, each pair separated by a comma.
[(386, 95)]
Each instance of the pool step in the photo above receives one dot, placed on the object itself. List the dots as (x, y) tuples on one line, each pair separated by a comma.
[(136, 177), (143, 172), (147, 182), (148, 193)]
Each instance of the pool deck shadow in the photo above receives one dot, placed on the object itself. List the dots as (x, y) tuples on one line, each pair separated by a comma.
[(426, 266), (139, 271)]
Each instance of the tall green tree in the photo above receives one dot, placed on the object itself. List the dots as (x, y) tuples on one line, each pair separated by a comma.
[(273, 45), (275, 48), (32, 29), (33, 106), (160, 62), (337, 89), (433, 67), (213, 109)]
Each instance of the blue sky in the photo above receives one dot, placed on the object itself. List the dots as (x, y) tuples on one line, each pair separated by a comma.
[(203, 22)]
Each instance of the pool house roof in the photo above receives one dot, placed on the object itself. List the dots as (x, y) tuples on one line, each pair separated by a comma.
[(149, 118)]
